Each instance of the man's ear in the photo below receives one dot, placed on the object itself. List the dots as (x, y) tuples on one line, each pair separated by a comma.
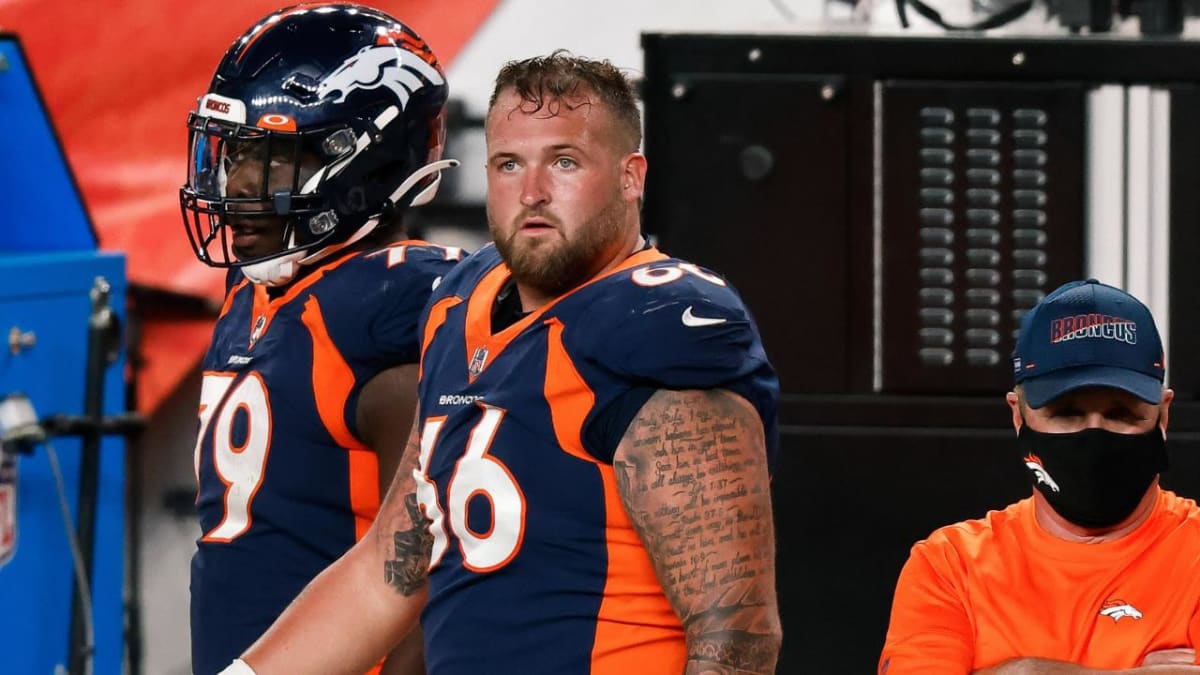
[(1164, 409), (633, 177), (1014, 403)]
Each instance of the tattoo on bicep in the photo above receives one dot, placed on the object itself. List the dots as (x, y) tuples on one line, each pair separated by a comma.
[(692, 475)]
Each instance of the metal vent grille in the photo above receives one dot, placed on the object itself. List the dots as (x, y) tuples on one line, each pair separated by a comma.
[(974, 173)]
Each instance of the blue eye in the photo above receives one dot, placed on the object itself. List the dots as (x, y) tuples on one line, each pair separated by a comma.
[(566, 163)]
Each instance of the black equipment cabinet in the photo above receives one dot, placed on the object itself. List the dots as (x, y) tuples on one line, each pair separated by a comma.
[(889, 207)]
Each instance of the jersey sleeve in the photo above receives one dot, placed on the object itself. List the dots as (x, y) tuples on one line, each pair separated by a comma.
[(405, 292), (382, 317), (685, 338), (690, 333), (929, 631)]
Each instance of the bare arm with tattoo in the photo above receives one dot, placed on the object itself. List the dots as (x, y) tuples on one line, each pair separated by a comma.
[(360, 607), (385, 418), (692, 474)]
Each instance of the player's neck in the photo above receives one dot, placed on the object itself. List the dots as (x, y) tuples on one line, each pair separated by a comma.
[(1060, 527), (383, 235), (533, 300)]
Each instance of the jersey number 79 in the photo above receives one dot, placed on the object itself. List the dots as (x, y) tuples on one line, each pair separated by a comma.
[(240, 467)]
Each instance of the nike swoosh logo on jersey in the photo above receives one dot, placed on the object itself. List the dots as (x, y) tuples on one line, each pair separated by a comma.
[(693, 321)]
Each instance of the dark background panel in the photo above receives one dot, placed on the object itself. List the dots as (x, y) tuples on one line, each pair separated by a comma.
[(1104, 58), (1183, 361), (756, 189)]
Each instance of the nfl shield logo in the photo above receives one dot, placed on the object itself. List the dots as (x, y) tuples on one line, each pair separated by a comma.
[(257, 332), (8, 506), (478, 359)]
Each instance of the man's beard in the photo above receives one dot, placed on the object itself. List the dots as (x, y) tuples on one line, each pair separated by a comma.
[(554, 265)]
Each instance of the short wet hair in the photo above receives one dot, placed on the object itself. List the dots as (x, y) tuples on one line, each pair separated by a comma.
[(547, 81)]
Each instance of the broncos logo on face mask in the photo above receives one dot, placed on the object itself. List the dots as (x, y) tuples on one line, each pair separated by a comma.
[(380, 66), (1035, 465)]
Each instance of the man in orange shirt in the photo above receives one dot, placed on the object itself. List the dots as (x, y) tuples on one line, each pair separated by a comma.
[(1100, 569)]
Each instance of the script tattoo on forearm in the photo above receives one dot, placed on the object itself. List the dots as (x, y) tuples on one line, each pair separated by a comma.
[(692, 474), (406, 557)]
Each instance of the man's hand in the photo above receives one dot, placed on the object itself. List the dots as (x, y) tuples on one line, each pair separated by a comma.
[(1163, 662), (1036, 667), (1180, 656)]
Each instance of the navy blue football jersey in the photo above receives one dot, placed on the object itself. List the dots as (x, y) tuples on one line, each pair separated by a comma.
[(535, 566), (285, 484)]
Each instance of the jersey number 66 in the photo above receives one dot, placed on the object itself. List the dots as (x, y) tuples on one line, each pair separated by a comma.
[(476, 474)]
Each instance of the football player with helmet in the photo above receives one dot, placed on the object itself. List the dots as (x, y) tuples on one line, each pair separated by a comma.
[(323, 124)]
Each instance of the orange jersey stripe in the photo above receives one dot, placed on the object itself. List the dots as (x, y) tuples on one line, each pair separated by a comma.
[(570, 397), (229, 298), (437, 317), (637, 631), (332, 382)]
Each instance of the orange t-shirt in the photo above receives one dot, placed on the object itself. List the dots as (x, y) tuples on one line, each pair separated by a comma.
[(981, 592)]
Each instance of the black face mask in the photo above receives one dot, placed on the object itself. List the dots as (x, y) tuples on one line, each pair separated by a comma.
[(1093, 478)]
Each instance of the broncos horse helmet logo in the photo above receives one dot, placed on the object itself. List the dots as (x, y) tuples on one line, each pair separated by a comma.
[(1035, 465), (380, 66), (1119, 609)]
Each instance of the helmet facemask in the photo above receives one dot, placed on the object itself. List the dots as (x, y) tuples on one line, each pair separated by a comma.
[(262, 186)]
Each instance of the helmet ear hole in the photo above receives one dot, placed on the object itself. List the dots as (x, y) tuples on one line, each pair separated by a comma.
[(355, 200)]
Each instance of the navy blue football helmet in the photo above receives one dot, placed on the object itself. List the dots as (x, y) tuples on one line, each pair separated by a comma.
[(323, 120)]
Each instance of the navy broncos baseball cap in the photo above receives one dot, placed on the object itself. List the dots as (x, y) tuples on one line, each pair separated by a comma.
[(1088, 334)]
